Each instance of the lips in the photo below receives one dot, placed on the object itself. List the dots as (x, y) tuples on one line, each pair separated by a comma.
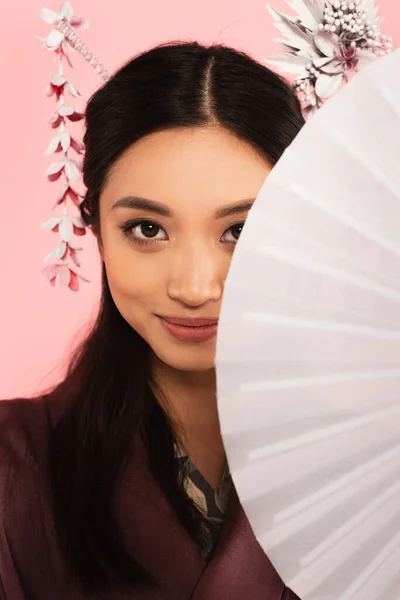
[(190, 330), (197, 322)]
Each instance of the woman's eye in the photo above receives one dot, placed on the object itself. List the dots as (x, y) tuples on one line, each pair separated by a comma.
[(233, 233), (145, 231)]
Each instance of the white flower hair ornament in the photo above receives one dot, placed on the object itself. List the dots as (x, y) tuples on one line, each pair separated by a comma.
[(326, 43), (60, 41)]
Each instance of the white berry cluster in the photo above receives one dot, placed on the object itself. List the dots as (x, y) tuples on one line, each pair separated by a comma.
[(327, 42), (351, 21)]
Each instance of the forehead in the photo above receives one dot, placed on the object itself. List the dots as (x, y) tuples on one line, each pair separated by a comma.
[(186, 168)]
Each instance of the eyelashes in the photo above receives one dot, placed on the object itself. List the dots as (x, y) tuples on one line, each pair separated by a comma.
[(146, 232), (140, 237)]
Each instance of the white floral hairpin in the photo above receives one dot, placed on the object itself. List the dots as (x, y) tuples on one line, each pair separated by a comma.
[(326, 43), (62, 38)]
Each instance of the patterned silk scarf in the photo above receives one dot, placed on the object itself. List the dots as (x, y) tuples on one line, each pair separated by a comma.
[(212, 504)]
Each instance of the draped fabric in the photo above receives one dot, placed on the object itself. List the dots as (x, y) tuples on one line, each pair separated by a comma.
[(32, 568)]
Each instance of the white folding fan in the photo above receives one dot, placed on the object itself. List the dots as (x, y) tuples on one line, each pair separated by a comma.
[(308, 350)]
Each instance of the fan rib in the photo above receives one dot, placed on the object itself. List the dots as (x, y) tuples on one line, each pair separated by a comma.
[(323, 433), (336, 485)]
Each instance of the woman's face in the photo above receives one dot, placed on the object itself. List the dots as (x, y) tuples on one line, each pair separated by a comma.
[(170, 215)]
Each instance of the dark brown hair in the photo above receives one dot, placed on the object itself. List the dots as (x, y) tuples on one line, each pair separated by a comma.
[(109, 376)]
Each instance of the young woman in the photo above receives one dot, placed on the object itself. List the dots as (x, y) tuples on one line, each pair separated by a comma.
[(114, 484)]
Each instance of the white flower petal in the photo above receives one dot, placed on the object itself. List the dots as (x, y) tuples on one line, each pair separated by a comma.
[(58, 79), (326, 42), (74, 256), (72, 89), (321, 62), (315, 9), (77, 221), (66, 229), (334, 67), (66, 10), (54, 39), (55, 167), (49, 272), (49, 15), (55, 118), (49, 90), (65, 140), (295, 36), (78, 146), (57, 253), (53, 146), (63, 277), (289, 64), (65, 110), (72, 170), (62, 192), (291, 49), (311, 54), (305, 13), (327, 85), (51, 223), (73, 247)]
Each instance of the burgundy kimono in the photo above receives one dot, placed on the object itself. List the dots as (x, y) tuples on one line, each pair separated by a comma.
[(31, 567)]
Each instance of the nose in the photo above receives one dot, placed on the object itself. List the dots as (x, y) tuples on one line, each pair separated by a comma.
[(197, 275)]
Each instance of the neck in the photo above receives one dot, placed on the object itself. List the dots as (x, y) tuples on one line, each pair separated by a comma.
[(189, 399)]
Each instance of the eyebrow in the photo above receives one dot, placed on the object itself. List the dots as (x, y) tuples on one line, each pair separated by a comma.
[(164, 211)]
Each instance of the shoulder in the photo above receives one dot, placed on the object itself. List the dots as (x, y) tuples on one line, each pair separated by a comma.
[(24, 430), (24, 427), (25, 508)]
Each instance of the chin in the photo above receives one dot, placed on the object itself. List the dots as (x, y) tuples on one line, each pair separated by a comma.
[(188, 358)]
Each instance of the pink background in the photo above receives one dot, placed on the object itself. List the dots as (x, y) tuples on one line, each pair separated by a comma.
[(38, 324)]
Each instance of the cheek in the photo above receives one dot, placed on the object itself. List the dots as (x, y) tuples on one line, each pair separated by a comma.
[(134, 284), (133, 294)]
